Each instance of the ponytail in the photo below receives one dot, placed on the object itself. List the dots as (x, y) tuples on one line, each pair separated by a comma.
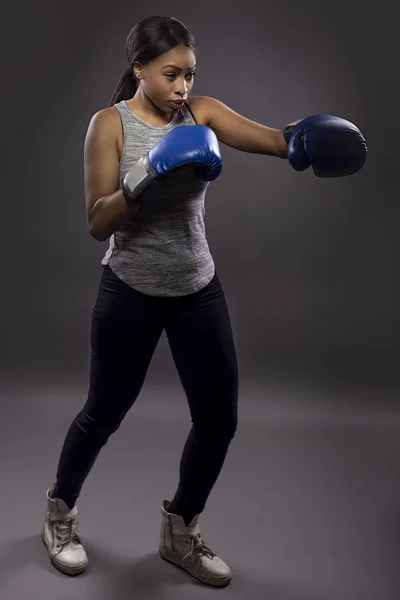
[(125, 88)]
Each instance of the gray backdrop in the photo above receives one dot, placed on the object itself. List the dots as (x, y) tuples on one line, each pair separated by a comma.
[(307, 505), (309, 266)]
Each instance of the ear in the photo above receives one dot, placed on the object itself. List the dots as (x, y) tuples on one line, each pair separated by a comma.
[(138, 70)]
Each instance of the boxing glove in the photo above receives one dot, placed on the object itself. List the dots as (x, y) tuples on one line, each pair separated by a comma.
[(332, 146), (185, 145)]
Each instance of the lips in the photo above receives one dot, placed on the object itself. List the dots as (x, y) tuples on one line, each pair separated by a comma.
[(178, 103)]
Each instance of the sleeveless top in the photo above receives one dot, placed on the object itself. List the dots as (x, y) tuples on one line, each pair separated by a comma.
[(162, 250)]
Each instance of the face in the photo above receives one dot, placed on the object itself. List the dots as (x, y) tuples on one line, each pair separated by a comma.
[(168, 78)]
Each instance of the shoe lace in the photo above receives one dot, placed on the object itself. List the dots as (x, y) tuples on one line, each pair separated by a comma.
[(197, 549), (66, 530)]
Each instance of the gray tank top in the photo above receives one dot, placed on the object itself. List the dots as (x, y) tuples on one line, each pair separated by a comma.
[(162, 250)]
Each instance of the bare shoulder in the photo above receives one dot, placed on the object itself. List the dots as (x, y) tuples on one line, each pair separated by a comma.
[(105, 128), (203, 108), (105, 121)]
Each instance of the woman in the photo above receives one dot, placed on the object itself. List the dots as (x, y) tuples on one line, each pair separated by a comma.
[(143, 193)]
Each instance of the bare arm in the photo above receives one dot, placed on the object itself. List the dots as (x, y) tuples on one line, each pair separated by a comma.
[(106, 207), (237, 131)]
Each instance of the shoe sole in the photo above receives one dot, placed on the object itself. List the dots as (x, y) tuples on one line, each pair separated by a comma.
[(78, 570), (214, 582)]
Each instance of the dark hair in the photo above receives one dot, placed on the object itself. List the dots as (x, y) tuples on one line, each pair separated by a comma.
[(147, 40)]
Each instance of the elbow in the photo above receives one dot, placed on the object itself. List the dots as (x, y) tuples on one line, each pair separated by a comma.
[(94, 227), (99, 236)]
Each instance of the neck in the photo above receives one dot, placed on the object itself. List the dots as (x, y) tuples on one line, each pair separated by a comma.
[(145, 108)]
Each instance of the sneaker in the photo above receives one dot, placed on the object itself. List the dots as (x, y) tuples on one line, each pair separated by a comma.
[(61, 536)]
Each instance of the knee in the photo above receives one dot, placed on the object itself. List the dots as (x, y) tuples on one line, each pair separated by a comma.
[(229, 429), (217, 431), (99, 427)]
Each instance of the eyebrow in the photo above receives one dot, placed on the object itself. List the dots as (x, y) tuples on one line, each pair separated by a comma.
[(176, 67)]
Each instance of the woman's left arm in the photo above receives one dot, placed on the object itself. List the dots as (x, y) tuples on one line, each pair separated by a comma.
[(237, 131)]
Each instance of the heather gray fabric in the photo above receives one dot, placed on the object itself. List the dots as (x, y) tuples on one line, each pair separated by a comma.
[(162, 250)]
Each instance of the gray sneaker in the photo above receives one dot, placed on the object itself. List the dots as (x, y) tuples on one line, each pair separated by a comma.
[(61, 537)]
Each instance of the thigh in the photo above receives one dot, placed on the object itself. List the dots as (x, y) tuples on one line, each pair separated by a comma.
[(126, 327), (202, 344)]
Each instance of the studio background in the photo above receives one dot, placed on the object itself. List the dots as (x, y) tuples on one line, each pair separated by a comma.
[(309, 267)]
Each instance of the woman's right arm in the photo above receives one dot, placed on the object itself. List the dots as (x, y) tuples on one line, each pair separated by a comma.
[(106, 206)]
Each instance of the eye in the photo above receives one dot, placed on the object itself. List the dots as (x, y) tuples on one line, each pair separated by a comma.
[(171, 76)]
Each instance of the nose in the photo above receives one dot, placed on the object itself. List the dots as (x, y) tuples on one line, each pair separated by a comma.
[(182, 86)]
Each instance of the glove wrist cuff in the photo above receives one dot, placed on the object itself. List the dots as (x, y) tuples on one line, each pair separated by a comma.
[(139, 177), (289, 129)]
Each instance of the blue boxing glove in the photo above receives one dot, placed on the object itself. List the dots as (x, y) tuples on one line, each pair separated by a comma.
[(332, 146), (195, 145)]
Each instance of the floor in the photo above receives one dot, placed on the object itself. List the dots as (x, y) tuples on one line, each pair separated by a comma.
[(307, 506)]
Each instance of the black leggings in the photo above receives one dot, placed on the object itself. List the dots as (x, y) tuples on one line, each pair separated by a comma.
[(126, 327)]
